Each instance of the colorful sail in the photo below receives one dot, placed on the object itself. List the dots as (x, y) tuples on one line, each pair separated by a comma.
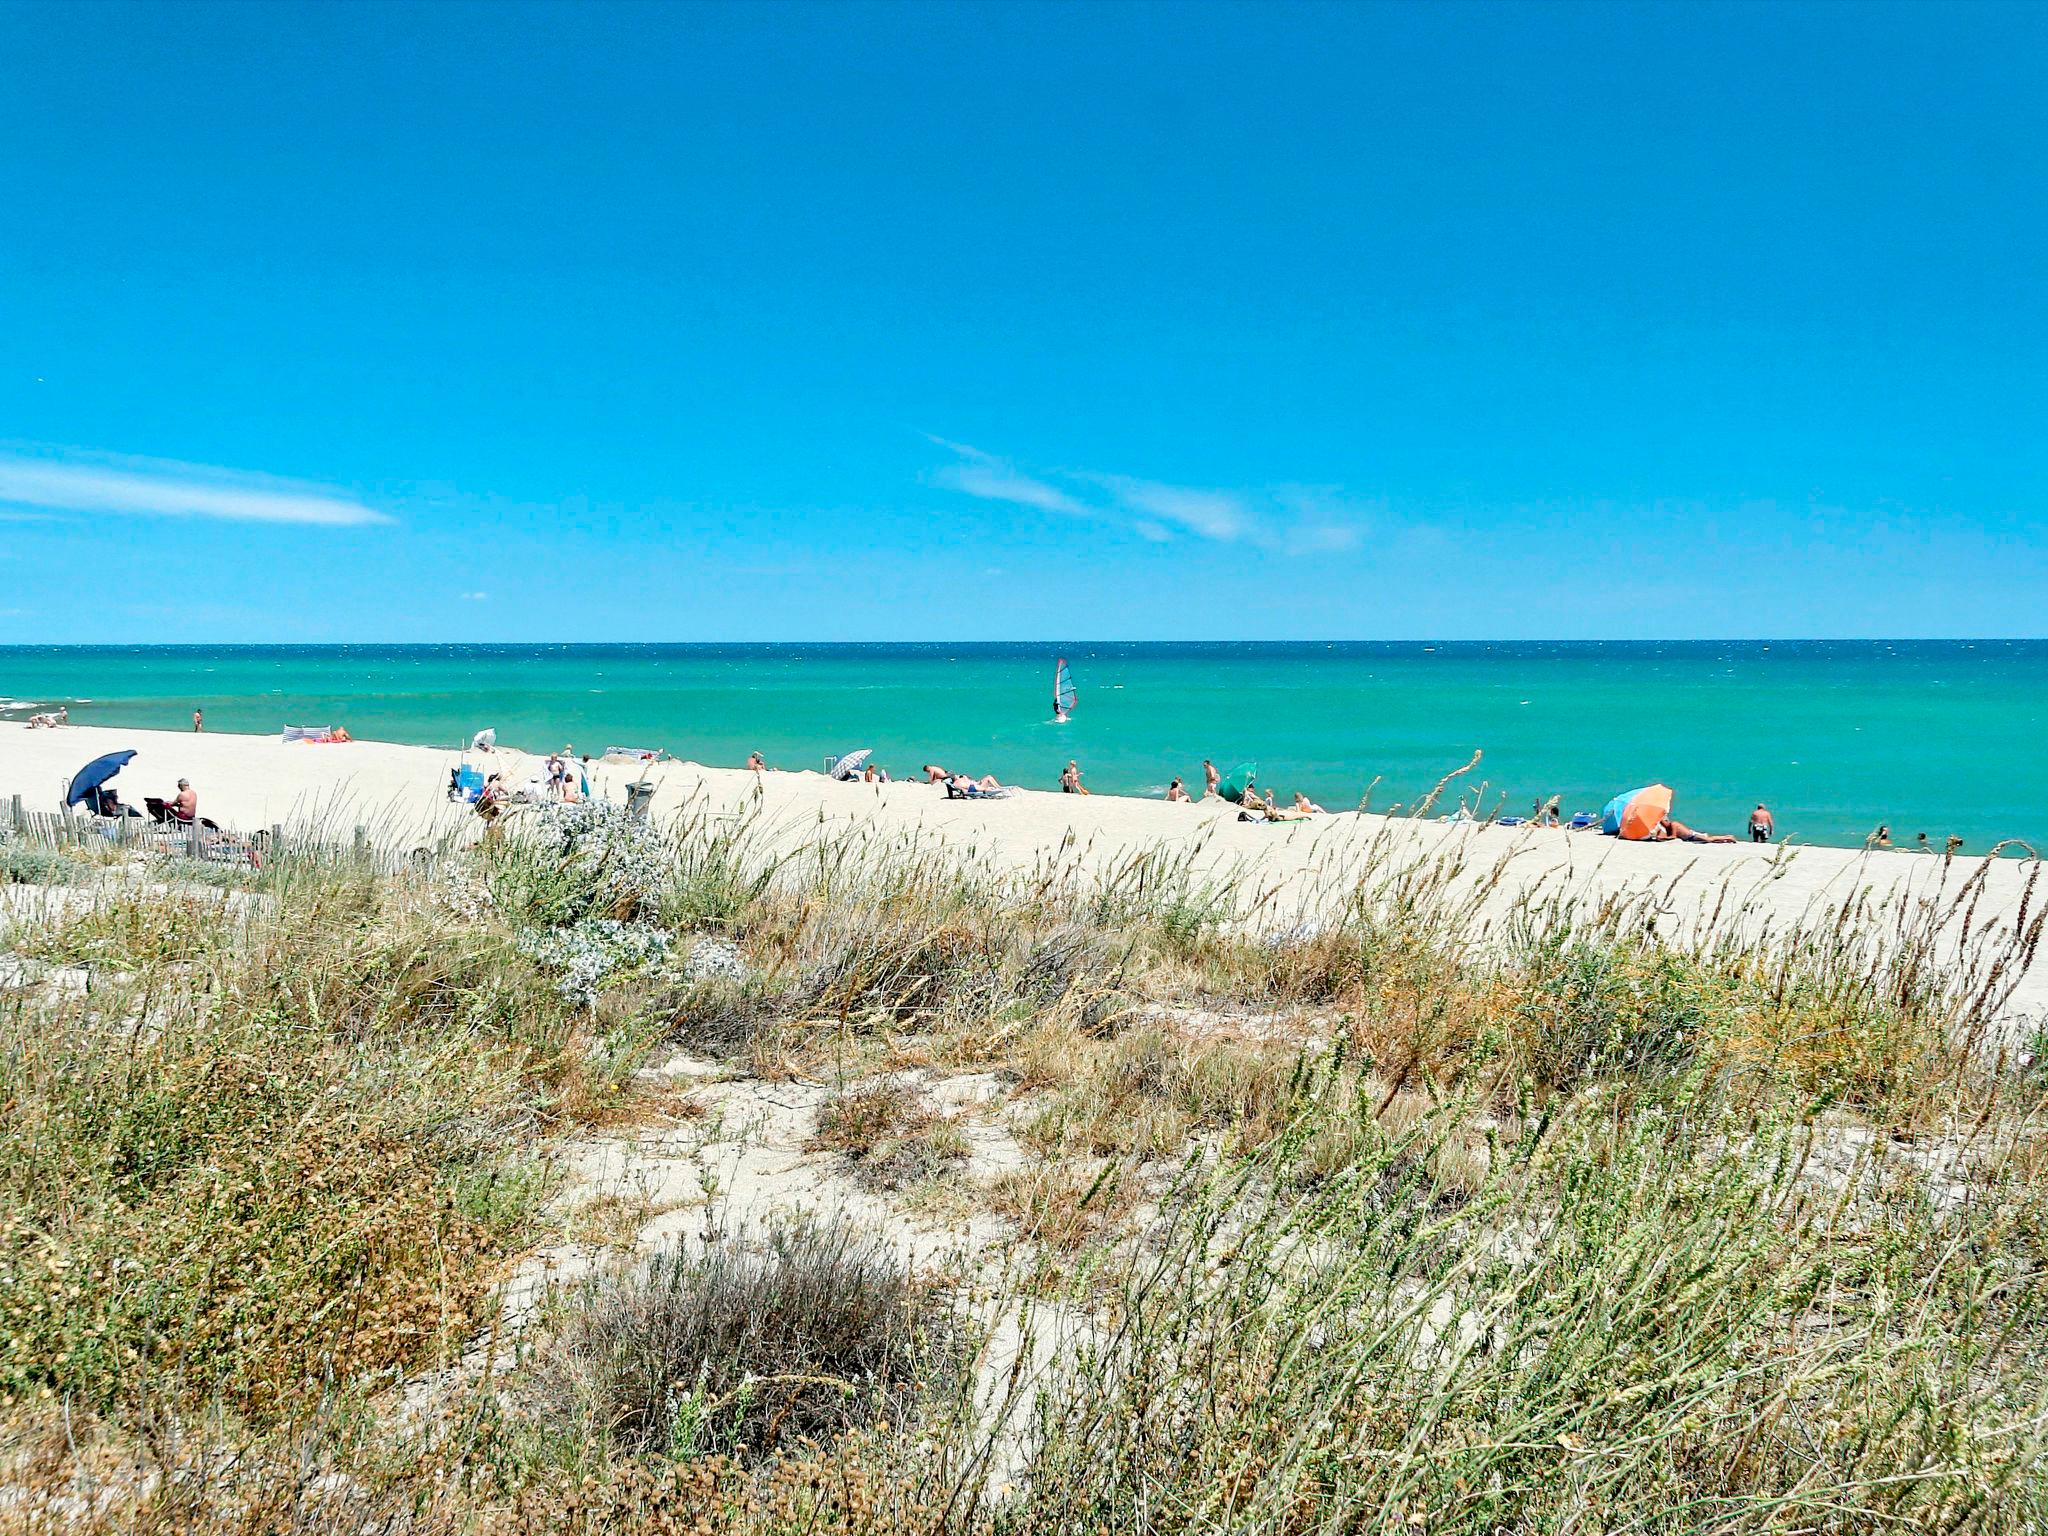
[(1063, 694)]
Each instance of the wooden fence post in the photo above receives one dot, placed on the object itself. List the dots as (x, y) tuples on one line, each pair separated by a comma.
[(14, 814)]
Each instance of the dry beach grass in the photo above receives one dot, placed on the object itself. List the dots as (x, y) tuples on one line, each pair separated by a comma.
[(1119, 1195)]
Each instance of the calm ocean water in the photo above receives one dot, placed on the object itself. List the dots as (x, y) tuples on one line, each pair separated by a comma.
[(1837, 736)]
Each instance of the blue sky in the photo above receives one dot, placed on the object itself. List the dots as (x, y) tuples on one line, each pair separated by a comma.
[(387, 322)]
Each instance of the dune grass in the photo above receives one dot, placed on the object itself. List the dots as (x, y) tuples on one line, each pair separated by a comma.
[(1366, 1216)]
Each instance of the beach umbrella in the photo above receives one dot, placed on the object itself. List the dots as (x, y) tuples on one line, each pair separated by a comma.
[(1237, 781), (850, 764), (94, 774), (1635, 815)]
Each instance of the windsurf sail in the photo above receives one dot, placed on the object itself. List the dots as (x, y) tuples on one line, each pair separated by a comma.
[(1063, 694)]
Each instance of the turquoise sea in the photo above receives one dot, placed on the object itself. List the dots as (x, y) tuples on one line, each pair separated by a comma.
[(1836, 736)]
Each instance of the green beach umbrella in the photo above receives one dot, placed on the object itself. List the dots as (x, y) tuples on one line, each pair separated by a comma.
[(1237, 781)]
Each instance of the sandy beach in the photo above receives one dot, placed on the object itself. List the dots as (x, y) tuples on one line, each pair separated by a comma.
[(250, 782)]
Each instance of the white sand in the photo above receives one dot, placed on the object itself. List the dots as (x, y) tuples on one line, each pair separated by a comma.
[(247, 782)]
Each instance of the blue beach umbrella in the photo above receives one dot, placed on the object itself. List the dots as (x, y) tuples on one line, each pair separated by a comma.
[(94, 774)]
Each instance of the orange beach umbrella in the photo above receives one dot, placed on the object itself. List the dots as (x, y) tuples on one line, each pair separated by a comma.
[(1635, 815)]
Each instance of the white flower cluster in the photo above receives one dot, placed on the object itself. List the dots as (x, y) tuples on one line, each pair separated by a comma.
[(460, 889), (716, 960), (631, 859), (592, 952)]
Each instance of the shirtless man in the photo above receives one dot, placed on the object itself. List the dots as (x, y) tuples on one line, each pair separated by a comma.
[(1210, 779), (757, 762), (1761, 826), (185, 803)]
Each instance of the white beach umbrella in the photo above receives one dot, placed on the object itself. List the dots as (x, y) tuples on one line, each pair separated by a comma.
[(850, 764)]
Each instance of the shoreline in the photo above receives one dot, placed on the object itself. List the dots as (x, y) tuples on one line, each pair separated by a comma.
[(249, 782)]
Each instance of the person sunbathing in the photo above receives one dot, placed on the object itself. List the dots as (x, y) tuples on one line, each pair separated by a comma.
[(1306, 806), (757, 762), (1257, 807), (185, 803), (960, 783), (1176, 793), (1672, 830)]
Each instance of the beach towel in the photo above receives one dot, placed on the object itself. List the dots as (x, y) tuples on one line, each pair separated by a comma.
[(976, 792)]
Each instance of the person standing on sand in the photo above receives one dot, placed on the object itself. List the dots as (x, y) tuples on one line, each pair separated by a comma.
[(1210, 779), (1070, 780), (198, 720), (1761, 827)]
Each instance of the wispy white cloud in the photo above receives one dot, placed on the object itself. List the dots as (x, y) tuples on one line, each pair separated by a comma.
[(476, 597), (1328, 538), (993, 482), (1220, 515), (1287, 518), (68, 480)]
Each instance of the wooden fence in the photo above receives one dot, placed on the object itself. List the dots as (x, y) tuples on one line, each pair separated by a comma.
[(56, 831)]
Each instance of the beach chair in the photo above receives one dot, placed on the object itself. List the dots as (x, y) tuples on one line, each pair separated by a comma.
[(976, 792)]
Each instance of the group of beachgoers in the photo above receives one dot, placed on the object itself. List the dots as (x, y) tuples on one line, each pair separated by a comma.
[(563, 779)]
